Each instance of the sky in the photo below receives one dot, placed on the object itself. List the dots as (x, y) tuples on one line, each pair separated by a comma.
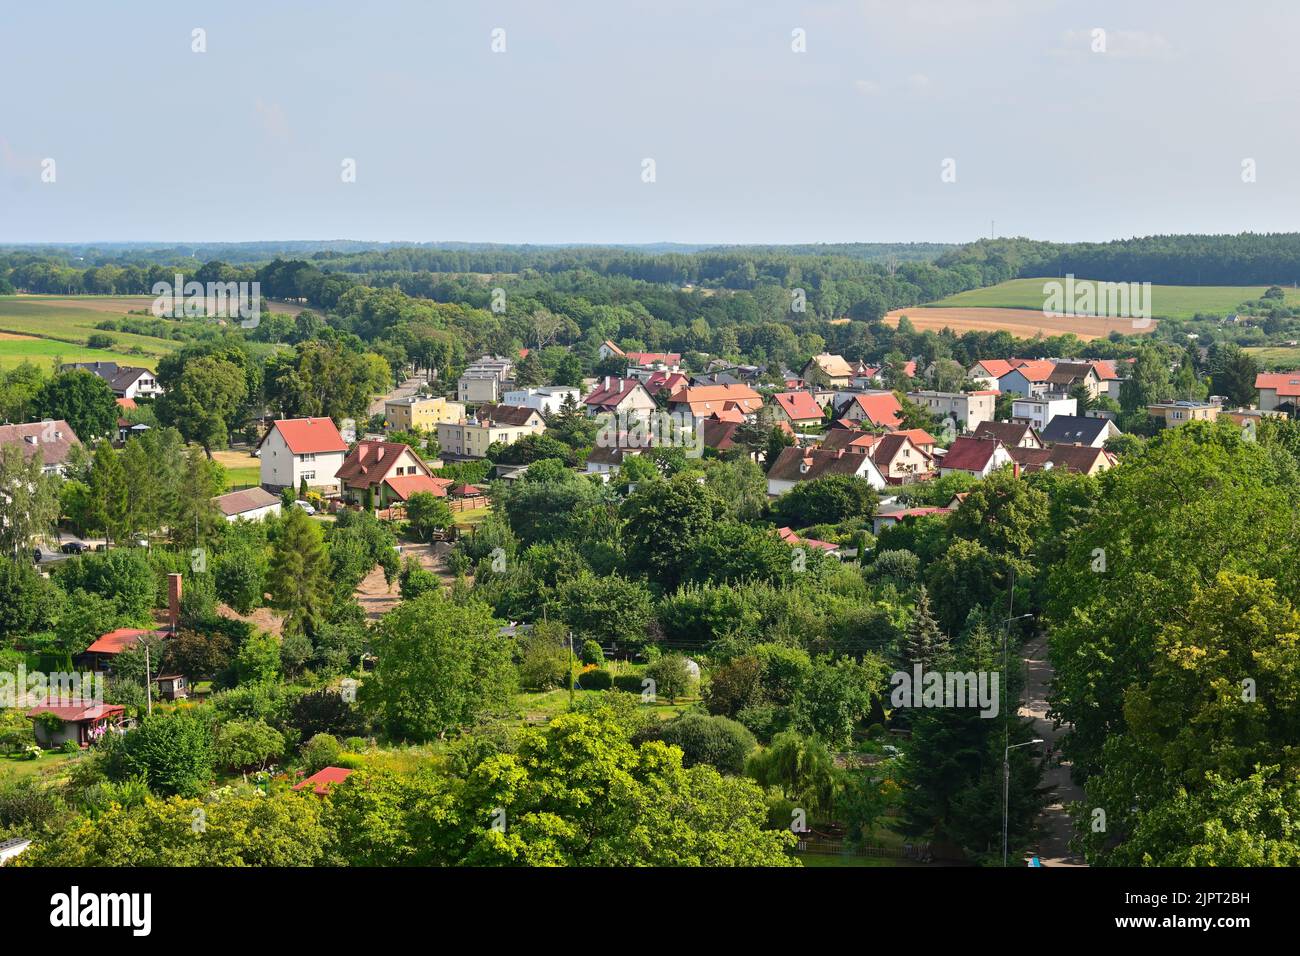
[(766, 122)]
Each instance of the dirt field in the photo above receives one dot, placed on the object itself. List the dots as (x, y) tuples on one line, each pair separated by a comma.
[(1022, 323), (121, 304), (377, 598)]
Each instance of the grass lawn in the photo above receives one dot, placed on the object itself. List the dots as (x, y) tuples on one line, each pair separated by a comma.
[(15, 768), (242, 469), (468, 519), (1167, 301), (66, 323)]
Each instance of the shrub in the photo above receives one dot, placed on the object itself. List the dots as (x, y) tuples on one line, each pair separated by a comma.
[(592, 654), (672, 677), (355, 744), (717, 741), (545, 663), (599, 679), (630, 683), (320, 752)]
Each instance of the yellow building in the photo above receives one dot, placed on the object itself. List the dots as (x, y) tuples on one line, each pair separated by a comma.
[(1180, 413), (425, 414), (495, 423)]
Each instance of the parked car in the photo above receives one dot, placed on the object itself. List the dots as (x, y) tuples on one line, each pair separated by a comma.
[(305, 506), (74, 547)]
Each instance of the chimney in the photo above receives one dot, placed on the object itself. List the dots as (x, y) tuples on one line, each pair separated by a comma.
[(174, 600), (609, 383), (1015, 469)]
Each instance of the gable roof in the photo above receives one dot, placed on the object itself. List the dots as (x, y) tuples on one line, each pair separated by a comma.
[(920, 437), (1066, 372), (369, 462), (833, 365), (805, 464), (881, 409), (800, 406), (53, 438), (118, 377), (660, 380), (321, 781), (887, 448), (309, 436), (967, 453), (1105, 369), (851, 439), (1073, 429), (789, 537), (1010, 434), (706, 399), (1080, 458), (996, 368), (610, 391), (239, 502), (76, 713), (1037, 370), (119, 640), (650, 358)]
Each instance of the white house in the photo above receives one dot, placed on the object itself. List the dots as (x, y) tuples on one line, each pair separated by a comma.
[(302, 449), (251, 504), (968, 409), (974, 456), (794, 465), (546, 399), (1041, 409)]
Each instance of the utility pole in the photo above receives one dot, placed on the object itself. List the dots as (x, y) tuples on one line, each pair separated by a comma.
[(148, 684), (570, 670)]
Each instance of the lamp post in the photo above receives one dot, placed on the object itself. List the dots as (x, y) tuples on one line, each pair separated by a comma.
[(1006, 788)]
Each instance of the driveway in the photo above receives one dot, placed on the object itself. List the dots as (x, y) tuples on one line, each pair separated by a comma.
[(1054, 824), (405, 390)]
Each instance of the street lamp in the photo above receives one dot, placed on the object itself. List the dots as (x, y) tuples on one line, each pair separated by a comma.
[(1006, 788)]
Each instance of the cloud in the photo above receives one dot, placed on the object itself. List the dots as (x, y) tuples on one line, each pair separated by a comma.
[(272, 120), (1126, 44)]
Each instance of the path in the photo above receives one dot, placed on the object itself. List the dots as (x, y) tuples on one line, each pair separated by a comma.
[(377, 598), (1054, 824), (405, 390)]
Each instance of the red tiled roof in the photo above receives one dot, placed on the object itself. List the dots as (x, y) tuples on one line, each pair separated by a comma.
[(880, 409), (126, 403), (1286, 383), (1039, 370), (609, 392), (122, 639), (406, 485), (370, 462), (970, 454), (789, 537), (799, 406), (706, 399), (660, 380), (78, 712), (920, 437), (649, 358), (310, 436), (321, 781)]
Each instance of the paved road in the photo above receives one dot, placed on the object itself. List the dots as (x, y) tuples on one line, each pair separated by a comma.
[(405, 390), (1053, 823)]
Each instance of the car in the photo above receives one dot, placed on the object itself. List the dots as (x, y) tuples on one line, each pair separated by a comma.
[(305, 506), (74, 547)]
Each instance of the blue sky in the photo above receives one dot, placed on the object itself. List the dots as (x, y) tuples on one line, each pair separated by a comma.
[(544, 143)]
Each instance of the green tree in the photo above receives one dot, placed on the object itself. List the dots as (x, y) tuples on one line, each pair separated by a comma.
[(172, 752), (83, 400), (299, 576)]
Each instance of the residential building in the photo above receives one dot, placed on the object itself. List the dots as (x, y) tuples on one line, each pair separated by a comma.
[(800, 409), (988, 371), (547, 399), (494, 423), (974, 456), (878, 409), (420, 412), (81, 723), (827, 369), (1079, 430), (619, 396), (53, 438), (665, 383), (702, 401), (794, 465), (1180, 413), (1278, 388), (126, 381), (298, 450), (1084, 459), (1011, 434), (966, 409), (484, 379), (1041, 408), (371, 466), (251, 504), (1029, 378)]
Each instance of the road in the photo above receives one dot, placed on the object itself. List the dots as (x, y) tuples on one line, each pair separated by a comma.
[(405, 390), (1054, 825)]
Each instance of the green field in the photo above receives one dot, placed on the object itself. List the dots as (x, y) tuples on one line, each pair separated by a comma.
[(1280, 358), (61, 326), (1167, 301)]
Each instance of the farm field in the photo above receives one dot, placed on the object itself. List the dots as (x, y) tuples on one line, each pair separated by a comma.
[(1022, 323), (1280, 358), (16, 349), (1167, 301)]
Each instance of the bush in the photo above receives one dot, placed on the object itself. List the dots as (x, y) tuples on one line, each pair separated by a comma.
[(545, 663), (592, 654), (99, 340), (672, 677), (630, 683), (717, 741), (355, 744), (320, 752), (598, 679)]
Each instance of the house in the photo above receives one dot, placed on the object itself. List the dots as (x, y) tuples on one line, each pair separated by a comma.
[(1028, 378), (661, 382), (1067, 375), (702, 401), (1084, 459), (1277, 388), (126, 381), (641, 364), (172, 686), (1079, 430), (251, 504), (619, 396), (853, 440), (1011, 434), (322, 780), (922, 439), (483, 379), (81, 723), (1041, 408), (493, 423), (988, 371), (718, 434), (604, 460), (302, 450), (887, 519), (794, 465), (799, 409), (608, 349), (899, 460), (365, 473), (547, 399), (966, 409), (1107, 377), (98, 657), (827, 369), (420, 413), (1180, 413), (974, 456), (792, 539), (53, 438), (879, 409)]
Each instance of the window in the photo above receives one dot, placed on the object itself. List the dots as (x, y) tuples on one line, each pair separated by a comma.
[(309, 476), (311, 456)]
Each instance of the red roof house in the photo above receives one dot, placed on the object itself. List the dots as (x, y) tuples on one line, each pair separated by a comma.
[(321, 781)]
